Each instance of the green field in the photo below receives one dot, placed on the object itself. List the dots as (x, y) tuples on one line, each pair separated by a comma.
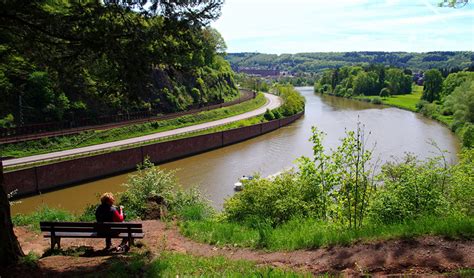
[(407, 101)]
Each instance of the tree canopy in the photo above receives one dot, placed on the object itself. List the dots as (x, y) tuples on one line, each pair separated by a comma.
[(68, 59)]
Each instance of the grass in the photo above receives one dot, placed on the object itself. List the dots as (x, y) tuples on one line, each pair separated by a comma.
[(407, 102), (88, 138), (309, 233), (43, 213), (172, 264)]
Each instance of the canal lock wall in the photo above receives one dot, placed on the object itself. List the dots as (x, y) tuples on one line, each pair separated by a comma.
[(53, 176)]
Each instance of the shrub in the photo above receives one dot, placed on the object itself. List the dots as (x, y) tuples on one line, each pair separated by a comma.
[(150, 181), (293, 101), (385, 92), (411, 189), (376, 100), (269, 115)]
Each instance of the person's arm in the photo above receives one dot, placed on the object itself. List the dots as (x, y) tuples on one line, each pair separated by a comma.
[(118, 215)]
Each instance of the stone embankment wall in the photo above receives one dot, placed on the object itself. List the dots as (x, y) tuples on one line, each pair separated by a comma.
[(55, 175)]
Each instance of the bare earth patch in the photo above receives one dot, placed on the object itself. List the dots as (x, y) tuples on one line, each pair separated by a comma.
[(427, 255)]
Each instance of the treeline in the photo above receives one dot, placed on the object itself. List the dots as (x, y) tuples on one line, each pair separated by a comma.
[(451, 97), (370, 80), (318, 62), (61, 60)]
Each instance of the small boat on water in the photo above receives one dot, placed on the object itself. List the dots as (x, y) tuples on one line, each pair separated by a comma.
[(238, 186)]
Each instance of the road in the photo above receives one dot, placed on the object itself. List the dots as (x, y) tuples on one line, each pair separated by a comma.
[(272, 103)]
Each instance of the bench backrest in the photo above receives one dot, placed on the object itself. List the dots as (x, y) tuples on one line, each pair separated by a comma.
[(102, 228)]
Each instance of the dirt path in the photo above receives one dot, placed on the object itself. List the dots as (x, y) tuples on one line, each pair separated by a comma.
[(272, 103), (421, 256)]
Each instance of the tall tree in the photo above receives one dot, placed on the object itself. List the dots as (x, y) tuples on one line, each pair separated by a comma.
[(10, 250), (433, 84)]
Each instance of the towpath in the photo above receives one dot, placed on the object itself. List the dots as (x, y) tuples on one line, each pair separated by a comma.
[(272, 103)]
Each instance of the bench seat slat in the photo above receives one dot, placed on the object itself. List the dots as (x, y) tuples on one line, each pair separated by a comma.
[(90, 229), (90, 224), (90, 235)]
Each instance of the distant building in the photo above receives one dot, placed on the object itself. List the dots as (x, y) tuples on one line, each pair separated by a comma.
[(418, 78)]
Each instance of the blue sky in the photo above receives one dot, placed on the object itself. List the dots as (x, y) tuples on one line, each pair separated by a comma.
[(292, 26)]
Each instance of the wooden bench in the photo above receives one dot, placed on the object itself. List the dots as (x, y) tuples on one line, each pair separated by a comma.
[(58, 230)]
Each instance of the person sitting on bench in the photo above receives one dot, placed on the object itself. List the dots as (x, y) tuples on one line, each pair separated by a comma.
[(107, 212)]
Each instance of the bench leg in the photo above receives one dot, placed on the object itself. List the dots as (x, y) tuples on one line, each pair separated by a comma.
[(55, 241)]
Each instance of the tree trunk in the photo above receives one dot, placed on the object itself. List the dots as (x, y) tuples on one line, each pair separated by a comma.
[(10, 250)]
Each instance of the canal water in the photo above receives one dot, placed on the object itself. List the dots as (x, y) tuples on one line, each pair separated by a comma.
[(393, 131)]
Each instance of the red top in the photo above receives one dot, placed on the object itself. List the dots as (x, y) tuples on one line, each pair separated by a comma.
[(118, 216)]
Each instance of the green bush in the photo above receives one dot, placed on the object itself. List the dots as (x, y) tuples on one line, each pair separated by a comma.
[(293, 101), (376, 100), (269, 116), (411, 189), (150, 181)]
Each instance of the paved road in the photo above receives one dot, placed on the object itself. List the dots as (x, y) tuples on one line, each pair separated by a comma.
[(272, 103)]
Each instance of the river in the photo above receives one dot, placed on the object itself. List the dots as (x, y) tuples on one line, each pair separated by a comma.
[(393, 131)]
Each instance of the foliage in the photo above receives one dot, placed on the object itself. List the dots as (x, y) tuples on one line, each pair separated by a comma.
[(454, 80), (150, 181), (43, 213), (460, 193), (433, 82), (309, 233), (293, 101), (62, 60), (461, 103), (371, 80), (336, 186), (269, 115), (410, 189)]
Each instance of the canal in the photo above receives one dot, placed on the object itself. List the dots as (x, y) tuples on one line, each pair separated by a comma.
[(393, 131)]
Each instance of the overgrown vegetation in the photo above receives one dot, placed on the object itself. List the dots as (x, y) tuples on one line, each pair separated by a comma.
[(336, 198), (293, 101), (64, 60), (89, 138)]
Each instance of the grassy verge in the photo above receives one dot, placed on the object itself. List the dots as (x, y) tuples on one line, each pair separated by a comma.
[(89, 138), (308, 233)]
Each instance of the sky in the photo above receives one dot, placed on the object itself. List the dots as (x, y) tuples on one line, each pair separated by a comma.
[(295, 26)]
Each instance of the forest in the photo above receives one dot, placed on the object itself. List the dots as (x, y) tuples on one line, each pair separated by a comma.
[(300, 63), (63, 60)]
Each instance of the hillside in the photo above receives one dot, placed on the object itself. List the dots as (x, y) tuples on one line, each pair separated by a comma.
[(317, 62)]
